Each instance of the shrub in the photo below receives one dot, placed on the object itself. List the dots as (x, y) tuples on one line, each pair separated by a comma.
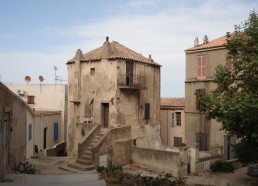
[(221, 166), (25, 168)]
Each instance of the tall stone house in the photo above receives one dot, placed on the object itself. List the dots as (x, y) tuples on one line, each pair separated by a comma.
[(172, 121), (201, 61), (113, 86)]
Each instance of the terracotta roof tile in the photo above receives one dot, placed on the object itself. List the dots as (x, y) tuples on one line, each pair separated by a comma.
[(119, 52), (172, 102), (41, 110), (219, 42)]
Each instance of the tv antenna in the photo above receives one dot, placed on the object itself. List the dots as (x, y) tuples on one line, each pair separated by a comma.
[(58, 78)]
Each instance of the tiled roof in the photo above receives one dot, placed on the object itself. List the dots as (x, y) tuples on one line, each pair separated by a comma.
[(118, 52), (219, 42), (172, 102), (46, 111)]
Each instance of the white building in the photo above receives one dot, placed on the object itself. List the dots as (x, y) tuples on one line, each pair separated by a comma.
[(49, 103)]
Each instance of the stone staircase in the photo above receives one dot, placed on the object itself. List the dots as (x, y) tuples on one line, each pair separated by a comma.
[(84, 161)]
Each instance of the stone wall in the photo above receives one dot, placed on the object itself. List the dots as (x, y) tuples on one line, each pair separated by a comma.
[(13, 113), (159, 160), (112, 144)]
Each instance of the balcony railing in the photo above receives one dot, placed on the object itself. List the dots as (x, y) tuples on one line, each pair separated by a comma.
[(131, 82)]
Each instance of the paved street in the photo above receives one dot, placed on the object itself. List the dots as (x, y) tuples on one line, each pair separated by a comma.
[(54, 171)]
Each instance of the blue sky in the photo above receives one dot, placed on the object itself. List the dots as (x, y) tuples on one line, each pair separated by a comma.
[(36, 35)]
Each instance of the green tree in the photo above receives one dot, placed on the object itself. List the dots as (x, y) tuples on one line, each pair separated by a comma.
[(234, 102)]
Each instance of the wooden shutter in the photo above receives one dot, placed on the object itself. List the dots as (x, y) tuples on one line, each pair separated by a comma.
[(202, 140), (177, 141), (30, 132), (55, 131), (201, 67), (173, 119), (147, 111)]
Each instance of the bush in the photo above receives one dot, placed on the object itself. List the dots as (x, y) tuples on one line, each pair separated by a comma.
[(25, 168), (221, 166)]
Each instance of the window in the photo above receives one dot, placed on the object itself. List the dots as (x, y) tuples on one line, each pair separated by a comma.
[(55, 131), (177, 141), (201, 60), (30, 132), (202, 140), (173, 119), (147, 111), (92, 71), (178, 118), (198, 94)]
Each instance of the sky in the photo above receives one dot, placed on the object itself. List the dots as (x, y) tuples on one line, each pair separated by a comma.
[(36, 35)]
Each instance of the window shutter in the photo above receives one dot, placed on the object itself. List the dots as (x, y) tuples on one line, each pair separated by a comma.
[(197, 95), (30, 132), (55, 131), (202, 140), (173, 119), (177, 141), (147, 111)]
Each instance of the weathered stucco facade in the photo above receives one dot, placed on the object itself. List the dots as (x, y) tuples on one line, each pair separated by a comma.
[(48, 97), (13, 114), (172, 117), (201, 62), (112, 86)]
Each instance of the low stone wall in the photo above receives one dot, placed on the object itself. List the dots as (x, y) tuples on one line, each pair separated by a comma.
[(159, 159), (116, 143), (204, 164), (57, 150)]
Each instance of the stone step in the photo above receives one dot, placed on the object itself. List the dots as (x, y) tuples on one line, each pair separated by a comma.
[(87, 153), (81, 167), (83, 162), (86, 157)]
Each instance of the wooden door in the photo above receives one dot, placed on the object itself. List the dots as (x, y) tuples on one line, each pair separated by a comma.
[(105, 115)]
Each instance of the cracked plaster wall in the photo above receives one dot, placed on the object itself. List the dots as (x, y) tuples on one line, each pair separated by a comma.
[(126, 107)]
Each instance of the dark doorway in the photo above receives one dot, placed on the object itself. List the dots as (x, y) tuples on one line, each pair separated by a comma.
[(105, 114), (5, 132), (129, 73), (45, 138)]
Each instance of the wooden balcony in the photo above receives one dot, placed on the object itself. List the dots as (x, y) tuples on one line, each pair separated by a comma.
[(131, 82)]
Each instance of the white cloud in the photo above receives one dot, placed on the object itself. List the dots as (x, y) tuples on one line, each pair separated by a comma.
[(165, 34)]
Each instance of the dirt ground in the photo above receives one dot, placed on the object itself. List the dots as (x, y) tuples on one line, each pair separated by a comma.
[(238, 178), (51, 165)]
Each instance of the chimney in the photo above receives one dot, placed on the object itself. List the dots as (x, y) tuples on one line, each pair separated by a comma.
[(196, 42), (150, 59), (78, 54), (205, 39), (106, 49)]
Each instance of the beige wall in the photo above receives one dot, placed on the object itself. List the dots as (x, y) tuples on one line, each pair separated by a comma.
[(46, 120), (168, 132), (13, 106), (126, 107), (29, 142), (194, 120), (159, 160), (47, 96)]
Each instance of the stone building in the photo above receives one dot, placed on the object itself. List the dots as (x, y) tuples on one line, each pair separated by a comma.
[(172, 121), (13, 119), (201, 61), (115, 87)]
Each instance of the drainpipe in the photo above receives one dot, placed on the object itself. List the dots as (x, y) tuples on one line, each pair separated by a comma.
[(41, 118), (167, 127)]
